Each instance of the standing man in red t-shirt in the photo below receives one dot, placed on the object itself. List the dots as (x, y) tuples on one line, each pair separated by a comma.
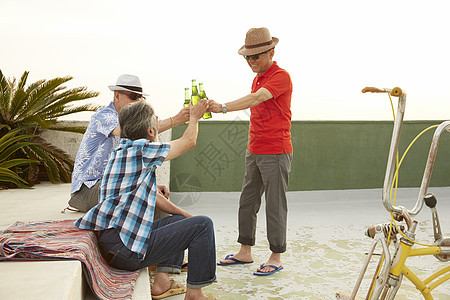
[(269, 154)]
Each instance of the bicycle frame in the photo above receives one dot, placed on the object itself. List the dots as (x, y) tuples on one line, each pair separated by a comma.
[(401, 268), (391, 268), (386, 286)]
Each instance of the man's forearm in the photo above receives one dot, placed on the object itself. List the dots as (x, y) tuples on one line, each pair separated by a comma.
[(165, 205), (166, 124), (249, 100), (242, 103)]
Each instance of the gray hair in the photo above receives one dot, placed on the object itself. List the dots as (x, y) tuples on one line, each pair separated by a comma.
[(135, 119)]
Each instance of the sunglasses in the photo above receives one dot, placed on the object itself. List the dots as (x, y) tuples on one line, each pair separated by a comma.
[(132, 96), (255, 56)]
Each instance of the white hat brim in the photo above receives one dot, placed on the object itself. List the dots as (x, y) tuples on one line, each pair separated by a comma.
[(119, 88)]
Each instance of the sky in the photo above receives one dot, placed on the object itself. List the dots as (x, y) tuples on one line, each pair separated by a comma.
[(332, 49)]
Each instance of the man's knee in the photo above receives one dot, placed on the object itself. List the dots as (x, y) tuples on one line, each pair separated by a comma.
[(206, 221)]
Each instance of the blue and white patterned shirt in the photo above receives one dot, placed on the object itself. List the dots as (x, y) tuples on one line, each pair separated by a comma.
[(95, 148), (128, 193)]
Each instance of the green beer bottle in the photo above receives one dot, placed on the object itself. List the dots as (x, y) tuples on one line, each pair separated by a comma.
[(195, 97), (187, 99), (207, 115)]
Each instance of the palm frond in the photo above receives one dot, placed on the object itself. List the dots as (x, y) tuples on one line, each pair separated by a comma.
[(5, 93), (10, 140), (33, 86), (5, 126), (36, 152), (16, 162), (72, 110), (9, 176), (57, 105), (57, 163), (38, 119), (4, 154), (38, 97), (10, 143), (17, 105), (23, 80)]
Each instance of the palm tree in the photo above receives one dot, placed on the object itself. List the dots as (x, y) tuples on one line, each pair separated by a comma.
[(38, 107)]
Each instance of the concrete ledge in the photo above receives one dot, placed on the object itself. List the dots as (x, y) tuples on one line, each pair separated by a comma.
[(141, 289), (61, 280), (42, 280)]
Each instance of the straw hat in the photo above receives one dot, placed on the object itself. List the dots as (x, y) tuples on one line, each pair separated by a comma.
[(128, 83), (258, 40)]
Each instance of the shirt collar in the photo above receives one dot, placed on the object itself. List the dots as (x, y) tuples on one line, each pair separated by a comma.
[(272, 69), (112, 106)]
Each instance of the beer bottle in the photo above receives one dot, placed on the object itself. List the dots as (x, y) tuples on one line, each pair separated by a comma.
[(187, 99), (195, 97), (207, 115)]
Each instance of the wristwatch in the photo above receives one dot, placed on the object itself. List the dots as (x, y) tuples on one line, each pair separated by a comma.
[(224, 109)]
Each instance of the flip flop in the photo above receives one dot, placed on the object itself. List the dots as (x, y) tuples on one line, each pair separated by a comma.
[(174, 289), (235, 261), (259, 273)]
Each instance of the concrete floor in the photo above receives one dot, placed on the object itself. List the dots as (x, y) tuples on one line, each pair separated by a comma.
[(326, 241)]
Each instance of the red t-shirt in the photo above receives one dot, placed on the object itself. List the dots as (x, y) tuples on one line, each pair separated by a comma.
[(270, 121)]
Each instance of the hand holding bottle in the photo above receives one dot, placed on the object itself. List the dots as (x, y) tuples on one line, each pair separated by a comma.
[(214, 106), (198, 110), (207, 115), (182, 116)]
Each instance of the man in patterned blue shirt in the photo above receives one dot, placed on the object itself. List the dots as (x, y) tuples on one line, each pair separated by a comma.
[(129, 238), (102, 136)]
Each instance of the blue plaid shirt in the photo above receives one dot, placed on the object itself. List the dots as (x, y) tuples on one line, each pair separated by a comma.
[(128, 193)]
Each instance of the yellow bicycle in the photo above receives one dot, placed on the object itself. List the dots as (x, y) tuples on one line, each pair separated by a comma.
[(391, 267)]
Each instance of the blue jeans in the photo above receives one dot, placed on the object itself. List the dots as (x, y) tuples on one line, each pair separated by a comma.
[(169, 238)]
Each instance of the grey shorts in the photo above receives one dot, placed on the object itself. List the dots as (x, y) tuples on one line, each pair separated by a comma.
[(86, 198)]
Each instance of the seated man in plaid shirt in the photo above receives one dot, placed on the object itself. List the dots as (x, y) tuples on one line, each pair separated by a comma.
[(129, 238)]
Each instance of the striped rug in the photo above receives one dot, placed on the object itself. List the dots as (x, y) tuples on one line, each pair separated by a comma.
[(60, 240)]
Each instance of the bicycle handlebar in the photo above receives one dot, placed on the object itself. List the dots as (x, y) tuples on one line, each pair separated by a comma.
[(396, 92), (391, 164), (395, 140), (429, 165)]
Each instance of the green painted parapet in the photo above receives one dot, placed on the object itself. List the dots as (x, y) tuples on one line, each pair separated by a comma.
[(328, 155)]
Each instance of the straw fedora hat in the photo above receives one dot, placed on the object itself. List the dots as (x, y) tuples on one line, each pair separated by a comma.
[(257, 40), (128, 83)]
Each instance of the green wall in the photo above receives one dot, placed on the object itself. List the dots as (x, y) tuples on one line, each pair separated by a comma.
[(327, 155)]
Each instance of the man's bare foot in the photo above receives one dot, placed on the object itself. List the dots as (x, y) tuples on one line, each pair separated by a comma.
[(240, 258), (244, 255), (162, 284), (274, 260)]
